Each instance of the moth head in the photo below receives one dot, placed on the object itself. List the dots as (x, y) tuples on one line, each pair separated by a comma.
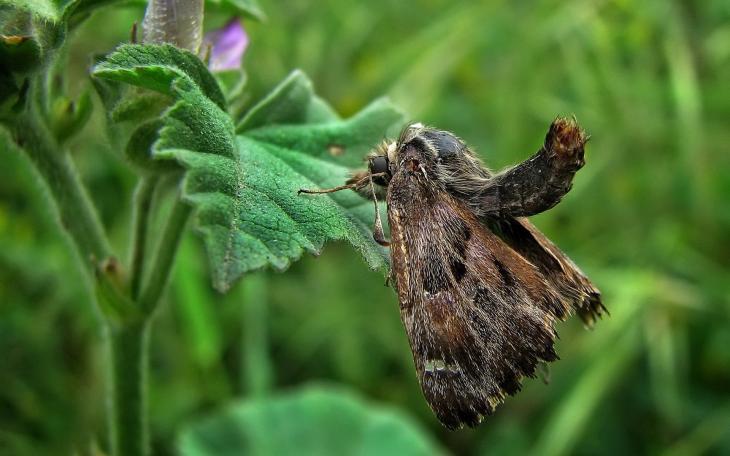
[(379, 163)]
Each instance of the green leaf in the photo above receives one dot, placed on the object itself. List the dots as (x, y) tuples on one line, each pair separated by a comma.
[(155, 67), (247, 8), (245, 189), (344, 142), (291, 102), (36, 20), (251, 215), (46, 10), (141, 145), (311, 421)]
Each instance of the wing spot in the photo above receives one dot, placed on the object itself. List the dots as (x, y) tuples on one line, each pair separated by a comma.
[(439, 365), (458, 269), (507, 278)]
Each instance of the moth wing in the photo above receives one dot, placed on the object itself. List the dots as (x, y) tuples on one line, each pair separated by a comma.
[(577, 292), (479, 316)]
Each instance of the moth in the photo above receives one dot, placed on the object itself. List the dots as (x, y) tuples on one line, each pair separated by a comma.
[(480, 288)]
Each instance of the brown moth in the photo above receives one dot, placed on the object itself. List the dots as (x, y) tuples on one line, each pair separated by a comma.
[(480, 288)]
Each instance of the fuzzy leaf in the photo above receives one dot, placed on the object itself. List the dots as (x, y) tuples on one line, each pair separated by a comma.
[(291, 102), (345, 142), (314, 420), (245, 188), (46, 10), (155, 67)]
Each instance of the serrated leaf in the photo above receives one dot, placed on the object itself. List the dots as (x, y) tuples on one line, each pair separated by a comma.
[(256, 218), (344, 142), (140, 146), (245, 188), (311, 421), (155, 67), (291, 102), (139, 105), (250, 214)]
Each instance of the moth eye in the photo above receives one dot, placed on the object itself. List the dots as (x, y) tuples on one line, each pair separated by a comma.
[(379, 164), (446, 144)]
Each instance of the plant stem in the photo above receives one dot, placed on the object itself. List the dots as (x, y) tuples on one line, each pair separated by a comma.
[(164, 256), (140, 217), (76, 212), (257, 373), (128, 346)]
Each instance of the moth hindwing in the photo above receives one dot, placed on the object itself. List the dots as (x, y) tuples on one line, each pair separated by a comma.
[(480, 288)]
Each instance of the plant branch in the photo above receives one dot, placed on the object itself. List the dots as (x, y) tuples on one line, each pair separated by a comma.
[(167, 247), (140, 218), (76, 212), (128, 346)]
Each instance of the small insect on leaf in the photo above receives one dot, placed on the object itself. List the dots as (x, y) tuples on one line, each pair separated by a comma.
[(480, 288)]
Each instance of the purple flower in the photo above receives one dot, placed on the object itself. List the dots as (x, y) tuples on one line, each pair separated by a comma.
[(227, 46)]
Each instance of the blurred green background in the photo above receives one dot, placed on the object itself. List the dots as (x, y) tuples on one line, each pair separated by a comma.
[(648, 220)]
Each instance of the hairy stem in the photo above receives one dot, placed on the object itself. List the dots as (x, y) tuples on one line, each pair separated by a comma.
[(140, 218), (128, 346), (161, 267), (76, 212)]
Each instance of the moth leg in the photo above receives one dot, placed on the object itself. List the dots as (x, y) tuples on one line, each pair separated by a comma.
[(378, 233), (364, 187), (539, 183), (360, 182)]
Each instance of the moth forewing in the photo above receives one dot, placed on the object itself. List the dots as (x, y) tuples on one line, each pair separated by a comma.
[(472, 307)]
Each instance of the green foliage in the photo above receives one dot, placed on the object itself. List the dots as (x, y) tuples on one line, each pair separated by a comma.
[(291, 102), (47, 10), (310, 421), (158, 67), (648, 219), (247, 8), (245, 189)]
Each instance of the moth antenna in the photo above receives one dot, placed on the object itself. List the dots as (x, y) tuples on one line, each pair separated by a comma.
[(378, 234), (334, 189), (351, 185)]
